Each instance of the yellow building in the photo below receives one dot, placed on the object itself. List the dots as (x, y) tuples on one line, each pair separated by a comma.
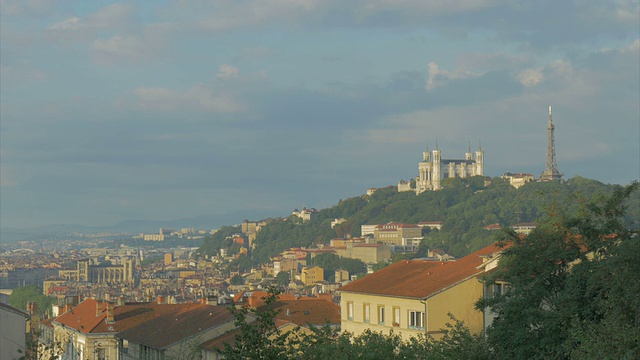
[(168, 259), (312, 275), (396, 233), (415, 296), (367, 253)]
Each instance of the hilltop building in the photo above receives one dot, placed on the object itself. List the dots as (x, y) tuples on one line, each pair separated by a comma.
[(517, 180), (433, 169)]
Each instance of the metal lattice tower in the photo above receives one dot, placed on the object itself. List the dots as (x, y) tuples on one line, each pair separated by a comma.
[(551, 172)]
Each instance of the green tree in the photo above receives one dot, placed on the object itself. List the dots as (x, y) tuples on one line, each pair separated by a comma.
[(283, 278), (23, 294), (236, 280), (574, 284), (259, 339)]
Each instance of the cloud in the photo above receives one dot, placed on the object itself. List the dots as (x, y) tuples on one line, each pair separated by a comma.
[(106, 51), (530, 77), (113, 16), (438, 77), (72, 23), (226, 72)]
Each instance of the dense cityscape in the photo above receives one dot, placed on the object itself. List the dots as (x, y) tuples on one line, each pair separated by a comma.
[(312, 180)]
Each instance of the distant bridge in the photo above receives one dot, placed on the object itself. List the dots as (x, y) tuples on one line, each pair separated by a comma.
[(23, 251)]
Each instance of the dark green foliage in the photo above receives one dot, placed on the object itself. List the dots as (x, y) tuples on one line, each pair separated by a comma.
[(23, 294), (283, 278), (236, 280), (242, 264), (466, 208), (213, 243), (574, 286), (259, 339)]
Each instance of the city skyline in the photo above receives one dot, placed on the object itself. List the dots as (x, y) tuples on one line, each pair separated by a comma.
[(165, 110)]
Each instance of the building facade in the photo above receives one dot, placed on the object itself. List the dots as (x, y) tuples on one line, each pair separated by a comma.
[(393, 233), (89, 271), (13, 330)]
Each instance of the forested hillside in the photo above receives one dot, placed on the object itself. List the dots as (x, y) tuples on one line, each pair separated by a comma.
[(464, 205)]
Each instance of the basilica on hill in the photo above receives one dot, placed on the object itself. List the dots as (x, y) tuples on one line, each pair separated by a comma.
[(433, 169)]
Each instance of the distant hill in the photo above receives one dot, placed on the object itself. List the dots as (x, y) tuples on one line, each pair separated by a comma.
[(128, 226), (464, 205)]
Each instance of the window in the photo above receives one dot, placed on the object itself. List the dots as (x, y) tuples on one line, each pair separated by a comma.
[(416, 319), (366, 313), (396, 316), (349, 311), (380, 315)]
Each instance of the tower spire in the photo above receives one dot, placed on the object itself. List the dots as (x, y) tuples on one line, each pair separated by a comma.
[(551, 172)]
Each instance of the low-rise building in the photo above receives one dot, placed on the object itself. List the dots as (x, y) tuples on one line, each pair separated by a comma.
[(415, 296), (517, 180), (393, 233), (312, 275), (367, 253)]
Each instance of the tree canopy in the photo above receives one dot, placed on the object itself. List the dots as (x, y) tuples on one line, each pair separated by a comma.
[(20, 296), (574, 285)]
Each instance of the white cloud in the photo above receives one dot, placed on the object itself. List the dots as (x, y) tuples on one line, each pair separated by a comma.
[(530, 77), (438, 77), (226, 72), (72, 23), (128, 47)]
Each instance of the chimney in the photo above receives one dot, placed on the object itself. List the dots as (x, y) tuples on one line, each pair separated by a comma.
[(212, 300), (288, 312), (98, 308), (121, 300), (110, 313)]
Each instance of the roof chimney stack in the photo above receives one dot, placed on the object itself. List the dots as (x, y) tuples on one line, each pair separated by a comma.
[(110, 313)]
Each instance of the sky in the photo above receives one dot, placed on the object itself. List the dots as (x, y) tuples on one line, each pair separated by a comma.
[(164, 110)]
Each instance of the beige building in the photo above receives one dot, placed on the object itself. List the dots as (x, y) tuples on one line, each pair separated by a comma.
[(517, 180), (524, 228), (396, 233), (306, 214), (312, 275), (168, 259), (367, 253), (415, 296), (89, 270), (284, 264)]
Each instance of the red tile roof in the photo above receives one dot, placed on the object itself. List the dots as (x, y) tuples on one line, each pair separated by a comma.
[(83, 317), (308, 311), (419, 278), (175, 326)]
